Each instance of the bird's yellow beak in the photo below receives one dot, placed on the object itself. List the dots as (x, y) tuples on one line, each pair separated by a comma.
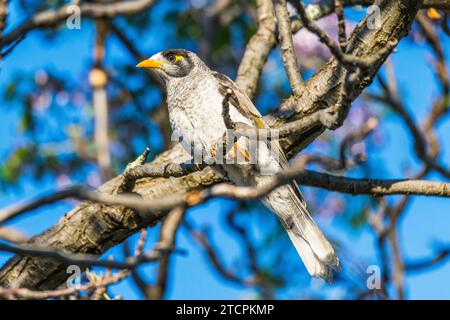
[(148, 63)]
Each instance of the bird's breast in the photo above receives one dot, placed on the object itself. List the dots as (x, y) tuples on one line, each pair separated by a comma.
[(195, 111), (196, 105)]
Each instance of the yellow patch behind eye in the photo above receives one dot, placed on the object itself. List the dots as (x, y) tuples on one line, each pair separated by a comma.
[(178, 58), (259, 123)]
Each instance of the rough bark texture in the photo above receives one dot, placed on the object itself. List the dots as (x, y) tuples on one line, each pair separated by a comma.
[(93, 228)]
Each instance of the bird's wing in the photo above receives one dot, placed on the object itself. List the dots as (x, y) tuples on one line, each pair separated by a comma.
[(239, 99), (246, 107)]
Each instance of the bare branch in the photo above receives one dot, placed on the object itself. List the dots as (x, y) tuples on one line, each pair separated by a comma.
[(374, 187), (50, 18), (325, 87), (257, 49), (287, 47), (205, 242), (98, 80), (167, 235), (12, 235), (80, 259), (342, 163), (347, 60), (12, 293), (131, 172), (150, 210), (426, 263), (14, 210), (261, 43), (420, 142), (339, 7)]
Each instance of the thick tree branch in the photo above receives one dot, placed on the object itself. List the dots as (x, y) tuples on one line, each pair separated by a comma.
[(257, 49)]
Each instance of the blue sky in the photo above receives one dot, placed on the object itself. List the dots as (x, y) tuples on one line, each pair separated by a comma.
[(427, 219)]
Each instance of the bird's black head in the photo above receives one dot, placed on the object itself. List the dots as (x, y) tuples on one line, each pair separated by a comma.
[(173, 63)]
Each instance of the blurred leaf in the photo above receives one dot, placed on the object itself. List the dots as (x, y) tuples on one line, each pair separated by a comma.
[(360, 219), (272, 279), (27, 122), (10, 91)]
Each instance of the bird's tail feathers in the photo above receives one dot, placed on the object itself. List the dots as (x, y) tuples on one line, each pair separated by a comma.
[(313, 248)]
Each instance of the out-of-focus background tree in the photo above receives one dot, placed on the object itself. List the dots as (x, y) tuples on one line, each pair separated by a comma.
[(74, 109)]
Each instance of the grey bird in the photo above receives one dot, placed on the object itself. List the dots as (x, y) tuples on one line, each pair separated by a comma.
[(195, 96)]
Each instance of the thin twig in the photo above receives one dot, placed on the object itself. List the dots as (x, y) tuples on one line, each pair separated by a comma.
[(81, 260), (339, 8), (203, 239), (427, 263)]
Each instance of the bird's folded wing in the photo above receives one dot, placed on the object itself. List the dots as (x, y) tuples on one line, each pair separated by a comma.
[(246, 107)]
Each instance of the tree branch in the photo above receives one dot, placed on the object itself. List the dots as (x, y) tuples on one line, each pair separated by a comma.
[(50, 18), (347, 60), (150, 210), (287, 47), (426, 263)]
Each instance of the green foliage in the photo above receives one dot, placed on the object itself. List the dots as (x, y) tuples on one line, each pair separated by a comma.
[(27, 121), (359, 219), (11, 168)]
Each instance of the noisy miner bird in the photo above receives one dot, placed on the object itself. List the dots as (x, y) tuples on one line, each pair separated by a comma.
[(195, 96)]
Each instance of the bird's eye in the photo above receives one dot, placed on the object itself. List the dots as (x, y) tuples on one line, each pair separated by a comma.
[(172, 58)]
